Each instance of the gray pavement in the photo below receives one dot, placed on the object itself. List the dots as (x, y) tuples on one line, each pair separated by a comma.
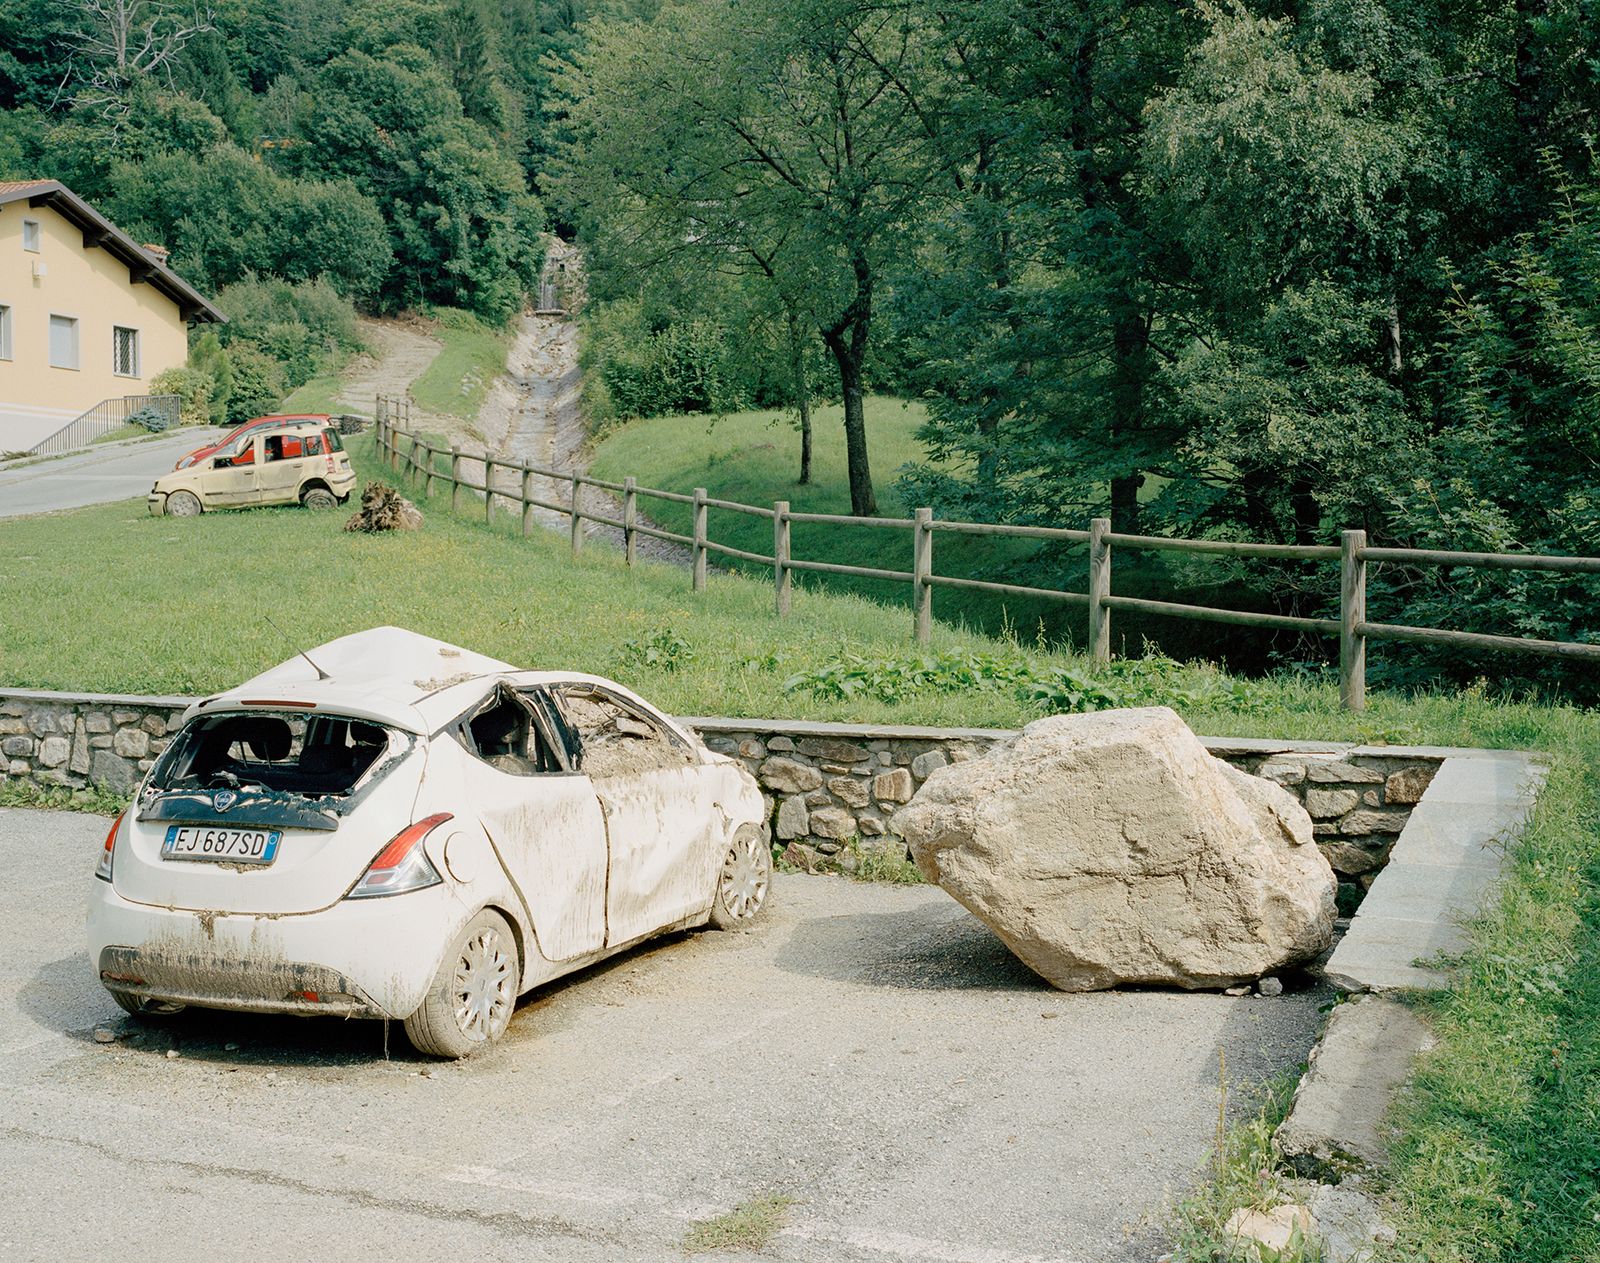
[(871, 1051), (116, 471)]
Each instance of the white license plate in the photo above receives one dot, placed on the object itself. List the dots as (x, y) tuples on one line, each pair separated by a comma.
[(217, 845)]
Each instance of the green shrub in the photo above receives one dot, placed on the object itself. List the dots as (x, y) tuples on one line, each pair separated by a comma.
[(152, 419), (195, 388), (687, 366), (258, 383), (662, 650), (1149, 681)]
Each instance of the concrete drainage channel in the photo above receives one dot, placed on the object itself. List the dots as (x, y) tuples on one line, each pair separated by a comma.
[(1416, 834)]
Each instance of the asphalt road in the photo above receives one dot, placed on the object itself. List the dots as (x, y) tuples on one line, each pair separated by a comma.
[(116, 471), (870, 1051)]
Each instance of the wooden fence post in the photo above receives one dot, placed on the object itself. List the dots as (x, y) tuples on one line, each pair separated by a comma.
[(922, 573), (527, 509), (699, 539), (427, 484), (781, 574), (455, 478), (630, 519), (1099, 589), (488, 490), (411, 458), (577, 515), (1352, 613)]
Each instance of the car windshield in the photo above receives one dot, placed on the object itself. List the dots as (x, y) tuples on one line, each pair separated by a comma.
[(313, 756)]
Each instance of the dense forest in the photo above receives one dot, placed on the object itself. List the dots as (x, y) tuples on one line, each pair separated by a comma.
[(1264, 270)]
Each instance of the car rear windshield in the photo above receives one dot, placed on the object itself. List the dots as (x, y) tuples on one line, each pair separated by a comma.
[(315, 755)]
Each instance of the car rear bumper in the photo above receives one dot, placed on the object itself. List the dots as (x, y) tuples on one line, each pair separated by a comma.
[(359, 958)]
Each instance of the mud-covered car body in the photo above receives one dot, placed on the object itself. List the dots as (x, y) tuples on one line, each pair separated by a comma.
[(288, 464), (316, 845)]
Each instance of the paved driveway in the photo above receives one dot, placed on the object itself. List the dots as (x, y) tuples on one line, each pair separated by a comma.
[(116, 471), (870, 1051)]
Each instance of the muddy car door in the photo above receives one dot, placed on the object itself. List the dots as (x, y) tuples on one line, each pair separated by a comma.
[(543, 819), (283, 467), (231, 480), (665, 830)]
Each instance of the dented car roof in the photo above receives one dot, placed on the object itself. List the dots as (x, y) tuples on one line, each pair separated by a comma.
[(388, 675)]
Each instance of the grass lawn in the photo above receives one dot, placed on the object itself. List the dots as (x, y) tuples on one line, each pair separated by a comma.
[(753, 458), (1501, 1141), (474, 355), (318, 394)]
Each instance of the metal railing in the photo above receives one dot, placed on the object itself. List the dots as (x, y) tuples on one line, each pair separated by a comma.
[(104, 417), (1352, 627)]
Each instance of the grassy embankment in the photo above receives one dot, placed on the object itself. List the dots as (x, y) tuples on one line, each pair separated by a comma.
[(454, 384), (1502, 1132), (753, 458), (474, 355)]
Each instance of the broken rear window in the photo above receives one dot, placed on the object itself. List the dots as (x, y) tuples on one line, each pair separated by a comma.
[(313, 755)]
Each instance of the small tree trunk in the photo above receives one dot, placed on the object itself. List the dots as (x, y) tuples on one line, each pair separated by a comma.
[(849, 355), (802, 392)]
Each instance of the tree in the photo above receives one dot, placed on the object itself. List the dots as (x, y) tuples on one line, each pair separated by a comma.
[(736, 133), (118, 43)]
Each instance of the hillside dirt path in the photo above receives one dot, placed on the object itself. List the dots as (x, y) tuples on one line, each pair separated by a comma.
[(533, 408), (531, 414)]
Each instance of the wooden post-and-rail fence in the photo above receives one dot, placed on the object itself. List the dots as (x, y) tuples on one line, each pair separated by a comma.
[(411, 456)]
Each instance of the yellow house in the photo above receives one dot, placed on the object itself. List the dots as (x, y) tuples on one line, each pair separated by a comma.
[(87, 314)]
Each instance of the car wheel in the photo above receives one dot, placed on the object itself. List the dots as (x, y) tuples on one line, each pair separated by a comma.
[(470, 1003), (745, 882), (142, 1006), (183, 504), (319, 498)]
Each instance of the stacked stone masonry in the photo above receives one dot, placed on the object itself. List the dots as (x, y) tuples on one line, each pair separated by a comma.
[(832, 788), (66, 741)]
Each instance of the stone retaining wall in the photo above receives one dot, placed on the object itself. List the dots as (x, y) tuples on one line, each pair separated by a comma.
[(833, 787), (75, 741)]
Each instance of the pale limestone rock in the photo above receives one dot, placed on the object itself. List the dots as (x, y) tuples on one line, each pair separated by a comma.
[(832, 822), (1408, 785), (794, 820), (1276, 1229), (928, 762), (785, 776), (850, 791), (131, 743), (1112, 848), (893, 787), (1325, 804)]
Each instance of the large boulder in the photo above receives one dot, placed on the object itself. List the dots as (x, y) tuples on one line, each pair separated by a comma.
[(1112, 848)]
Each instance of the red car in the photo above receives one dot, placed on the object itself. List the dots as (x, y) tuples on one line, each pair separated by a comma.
[(251, 427)]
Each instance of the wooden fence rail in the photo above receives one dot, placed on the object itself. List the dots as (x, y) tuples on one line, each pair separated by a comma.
[(412, 456)]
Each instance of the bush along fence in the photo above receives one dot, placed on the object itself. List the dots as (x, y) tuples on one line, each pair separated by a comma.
[(410, 455)]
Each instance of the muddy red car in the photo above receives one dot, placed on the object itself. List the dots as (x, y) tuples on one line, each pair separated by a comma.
[(251, 427)]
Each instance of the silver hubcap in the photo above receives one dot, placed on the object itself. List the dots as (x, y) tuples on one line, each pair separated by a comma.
[(484, 987), (745, 874), (183, 505)]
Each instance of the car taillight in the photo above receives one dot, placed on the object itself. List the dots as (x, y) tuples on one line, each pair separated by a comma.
[(402, 865), (102, 870)]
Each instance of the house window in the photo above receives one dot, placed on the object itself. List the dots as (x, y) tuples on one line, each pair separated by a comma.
[(5, 333), (63, 342), (125, 352), (30, 235)]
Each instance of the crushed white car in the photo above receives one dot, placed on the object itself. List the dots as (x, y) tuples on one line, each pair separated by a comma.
[(389, 826)]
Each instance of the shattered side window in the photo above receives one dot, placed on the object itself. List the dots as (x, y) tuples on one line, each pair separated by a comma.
[(504, 735), (315, 756), (615, 740)]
